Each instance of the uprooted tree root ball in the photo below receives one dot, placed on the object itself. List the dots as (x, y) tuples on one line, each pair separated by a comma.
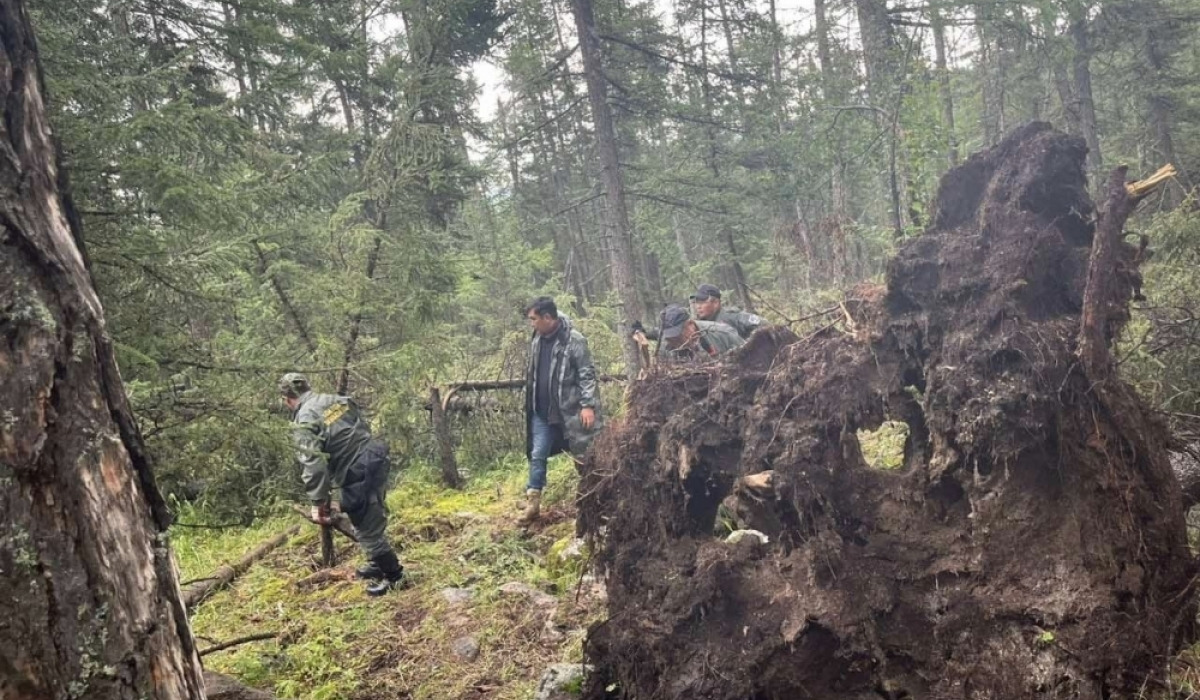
[(1032, 544)]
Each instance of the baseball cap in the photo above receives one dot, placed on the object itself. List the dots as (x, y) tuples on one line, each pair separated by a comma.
[(671, 321), (705, 291)]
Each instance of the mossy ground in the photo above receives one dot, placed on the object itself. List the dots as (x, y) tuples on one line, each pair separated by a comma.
[(335, 643)]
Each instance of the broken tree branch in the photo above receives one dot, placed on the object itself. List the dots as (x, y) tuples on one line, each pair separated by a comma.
[(223, 576), (240, 640), (495, 384), (441, 430), (341, 523), (1120, 202)]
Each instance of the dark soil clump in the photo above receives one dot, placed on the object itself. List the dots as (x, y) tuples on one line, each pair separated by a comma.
[(1032, 545)]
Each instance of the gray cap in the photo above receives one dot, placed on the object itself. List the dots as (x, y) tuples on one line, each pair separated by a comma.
[(671, 320), (293, 384), (706, 291)]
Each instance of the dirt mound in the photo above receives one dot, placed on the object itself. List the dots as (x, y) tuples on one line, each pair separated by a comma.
[(1032, 544)]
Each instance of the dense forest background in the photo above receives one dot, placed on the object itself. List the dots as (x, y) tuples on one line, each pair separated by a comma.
[(270, 185)]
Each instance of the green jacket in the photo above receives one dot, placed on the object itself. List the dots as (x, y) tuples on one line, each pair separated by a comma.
[(716, 339), (330, 435), (743, 322), (573, 387)]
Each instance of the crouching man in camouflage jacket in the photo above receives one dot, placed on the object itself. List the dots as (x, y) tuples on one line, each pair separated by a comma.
[(344, 469)]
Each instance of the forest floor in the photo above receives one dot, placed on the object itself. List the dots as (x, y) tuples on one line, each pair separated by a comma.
[(490, 604)]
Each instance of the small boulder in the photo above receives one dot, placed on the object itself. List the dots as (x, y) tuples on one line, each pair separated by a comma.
[(457, 596), (465, 648), (518, 589), (221, 687), (562, 682)]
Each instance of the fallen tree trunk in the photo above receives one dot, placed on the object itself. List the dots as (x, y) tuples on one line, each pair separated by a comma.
[(1032, 542), (497, 384), (195, 594)]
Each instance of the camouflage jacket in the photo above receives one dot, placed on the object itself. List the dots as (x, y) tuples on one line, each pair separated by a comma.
[(573, 387), (330, 434), (715, 340), (743, 322)]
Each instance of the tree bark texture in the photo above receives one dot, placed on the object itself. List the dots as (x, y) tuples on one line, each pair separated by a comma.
[(1081, 70), (1158, 103), (943, 80), (992, 72), (832, 92), (616, 213), (1100, 300), (878, 44), (441, 431), (89, 599), (885, 90)]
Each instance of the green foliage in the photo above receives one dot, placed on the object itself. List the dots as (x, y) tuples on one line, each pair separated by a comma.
[(1160, 351), (883, 448)]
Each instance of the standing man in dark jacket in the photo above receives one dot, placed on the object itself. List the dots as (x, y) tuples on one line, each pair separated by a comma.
[(706, 303), (562, 398), (346, 470)]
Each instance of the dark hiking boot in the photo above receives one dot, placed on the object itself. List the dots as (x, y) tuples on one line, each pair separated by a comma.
[(392, 575), (370, 572)]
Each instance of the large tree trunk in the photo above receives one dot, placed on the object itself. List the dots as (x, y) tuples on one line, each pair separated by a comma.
[(943, 79), (832, 93), (878, 49), (617, 215), (1158, 103), (992, 77), (89, 601), (1081, 66), (885, 91)]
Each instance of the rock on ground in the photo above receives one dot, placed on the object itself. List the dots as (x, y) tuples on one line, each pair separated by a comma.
[(560, 681), (465, 648), (1031, 544), (221, 687), (457, 596), (518, 589)]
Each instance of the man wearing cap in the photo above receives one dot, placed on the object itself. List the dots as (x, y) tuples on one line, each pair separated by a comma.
[(562, 399), (688, 338), (706, 303), (346, 470)]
